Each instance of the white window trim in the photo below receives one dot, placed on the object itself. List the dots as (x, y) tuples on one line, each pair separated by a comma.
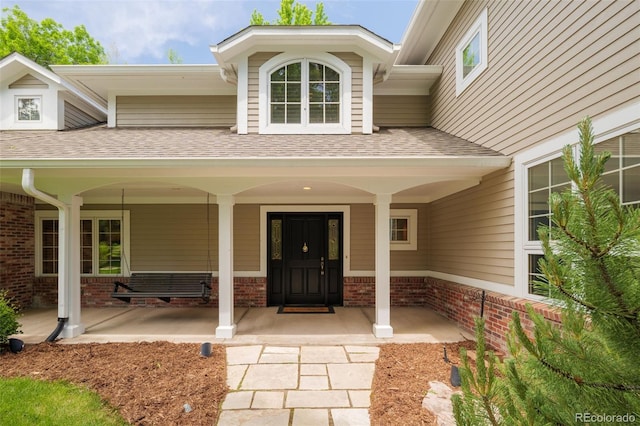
[(412, 222), (606, 127), (85, 214), (264, 72), (478, 27), (16, 111)]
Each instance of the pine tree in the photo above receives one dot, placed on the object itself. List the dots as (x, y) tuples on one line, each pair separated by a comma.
[(587, 369)]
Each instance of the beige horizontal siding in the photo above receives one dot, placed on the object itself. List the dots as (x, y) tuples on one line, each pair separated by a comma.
[(176, 111), (246, 237), (401, 111), (362, 237), (550, 64), (363, 240), (75, 118), (173, 237), (413, 260), (28, 82), (354, 62), (255, 62), (471, 232)]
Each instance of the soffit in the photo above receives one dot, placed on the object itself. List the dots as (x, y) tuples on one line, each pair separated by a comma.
[(408, 80), (428, 24)]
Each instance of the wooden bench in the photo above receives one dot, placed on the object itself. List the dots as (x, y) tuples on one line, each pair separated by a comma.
[(164, 286)]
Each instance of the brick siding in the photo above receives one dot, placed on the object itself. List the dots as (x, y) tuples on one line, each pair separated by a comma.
[(17, 246), (462, 304)]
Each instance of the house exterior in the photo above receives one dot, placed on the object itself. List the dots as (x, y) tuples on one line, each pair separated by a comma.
[(319, 165)]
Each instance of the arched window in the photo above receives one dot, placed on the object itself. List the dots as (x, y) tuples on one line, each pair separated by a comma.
[(306, 95)]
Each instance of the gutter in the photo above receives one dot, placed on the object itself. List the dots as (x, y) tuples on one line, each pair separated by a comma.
[(28, 184)]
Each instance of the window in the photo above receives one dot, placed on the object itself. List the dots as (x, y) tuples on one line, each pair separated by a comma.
[(622, 173), (29, 108), (472, 53), (305, 95), (544, 179), (102, 235), (403, 229)]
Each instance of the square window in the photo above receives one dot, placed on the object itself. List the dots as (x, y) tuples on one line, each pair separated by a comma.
[(29, 108), (403, 229), (472, 53)]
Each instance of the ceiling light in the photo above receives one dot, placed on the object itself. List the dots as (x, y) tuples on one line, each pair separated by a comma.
[(306, 188)]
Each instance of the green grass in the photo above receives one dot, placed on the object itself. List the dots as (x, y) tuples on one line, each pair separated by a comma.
[(26, 401)]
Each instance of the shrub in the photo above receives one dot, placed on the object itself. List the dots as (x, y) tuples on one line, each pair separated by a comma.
[(8, 318)]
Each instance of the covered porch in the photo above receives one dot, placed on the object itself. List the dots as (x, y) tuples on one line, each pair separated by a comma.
[(238, 183), (254, 326)]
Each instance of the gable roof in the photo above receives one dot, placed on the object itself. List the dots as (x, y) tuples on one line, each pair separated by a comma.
[(16, 66), (281, 38)]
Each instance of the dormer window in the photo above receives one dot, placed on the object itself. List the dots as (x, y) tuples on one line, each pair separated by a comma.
[(305, 95), (29, 108)]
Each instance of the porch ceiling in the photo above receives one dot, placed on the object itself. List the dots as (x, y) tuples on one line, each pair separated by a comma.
[(178, 165)]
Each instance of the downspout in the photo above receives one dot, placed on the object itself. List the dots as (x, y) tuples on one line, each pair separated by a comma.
[(28, 185)]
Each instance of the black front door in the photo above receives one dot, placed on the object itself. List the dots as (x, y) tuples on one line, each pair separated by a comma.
[(305, 266)]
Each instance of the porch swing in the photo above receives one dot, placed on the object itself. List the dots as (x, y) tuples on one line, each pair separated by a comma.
[(165, 285)]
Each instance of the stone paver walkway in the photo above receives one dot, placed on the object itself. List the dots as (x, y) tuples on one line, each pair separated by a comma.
[(298, 385)]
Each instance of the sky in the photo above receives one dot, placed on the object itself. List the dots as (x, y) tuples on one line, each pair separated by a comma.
[(143, 31)]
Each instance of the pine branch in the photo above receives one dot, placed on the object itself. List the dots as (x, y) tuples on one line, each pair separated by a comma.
[(578, 380)]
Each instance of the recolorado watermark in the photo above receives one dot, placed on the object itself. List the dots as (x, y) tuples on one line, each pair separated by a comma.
[(605, 418)]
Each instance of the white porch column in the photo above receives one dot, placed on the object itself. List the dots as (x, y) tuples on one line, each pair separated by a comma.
[(382, 326), (226, 327), (69, 290)]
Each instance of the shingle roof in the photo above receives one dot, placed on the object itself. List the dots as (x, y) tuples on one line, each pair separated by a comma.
[(183, 143)]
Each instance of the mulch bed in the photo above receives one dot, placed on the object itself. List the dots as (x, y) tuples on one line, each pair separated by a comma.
[(149, 383), (401, 381)]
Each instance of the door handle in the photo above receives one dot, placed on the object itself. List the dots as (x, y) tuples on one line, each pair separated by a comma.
[(322, 265)]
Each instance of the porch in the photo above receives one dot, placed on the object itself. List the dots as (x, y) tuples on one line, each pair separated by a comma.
[(348, 325)]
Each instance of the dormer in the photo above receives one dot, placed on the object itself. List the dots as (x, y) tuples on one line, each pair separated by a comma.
[(34, 98), (305, 79)]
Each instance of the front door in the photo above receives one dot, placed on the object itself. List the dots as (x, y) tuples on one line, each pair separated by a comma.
[(305, 262)]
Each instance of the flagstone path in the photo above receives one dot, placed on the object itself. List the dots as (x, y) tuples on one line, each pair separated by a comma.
[(298, 385)]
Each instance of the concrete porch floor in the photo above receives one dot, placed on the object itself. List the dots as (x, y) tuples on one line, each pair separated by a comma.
[(347, 326)]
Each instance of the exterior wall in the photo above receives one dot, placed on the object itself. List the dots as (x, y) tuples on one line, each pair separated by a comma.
[(75, 118), (96, 291), (462, 304), (173, 237), (577, 59), (404, 291), (17, 247), (255, 61), (28, 82), (176, 111), (363, 240), (401, 111), (549, 65), (355, 63), (29, 87), (246, 237), (471, 233)]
